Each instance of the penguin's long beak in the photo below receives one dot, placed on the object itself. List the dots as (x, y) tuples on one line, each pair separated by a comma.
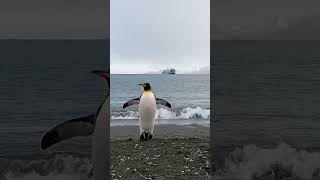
[(143, 85), (104, 74)]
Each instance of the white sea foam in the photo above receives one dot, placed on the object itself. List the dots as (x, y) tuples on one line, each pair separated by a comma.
[(163, 113), (60, 167), (281, 162), (197, 113), (129, 115)]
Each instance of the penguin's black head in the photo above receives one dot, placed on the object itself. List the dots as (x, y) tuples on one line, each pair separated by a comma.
[(146, 86)]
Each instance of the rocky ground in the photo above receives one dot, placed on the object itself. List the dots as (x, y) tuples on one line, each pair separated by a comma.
[(161, 158)]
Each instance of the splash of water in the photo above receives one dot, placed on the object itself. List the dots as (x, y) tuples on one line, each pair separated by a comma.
[(163, 113), (281, 162)]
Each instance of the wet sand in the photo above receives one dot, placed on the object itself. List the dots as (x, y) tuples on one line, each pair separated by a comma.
[(175, 152)]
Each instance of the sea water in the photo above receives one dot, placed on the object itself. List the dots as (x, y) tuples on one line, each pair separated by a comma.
[(188, 94), (266, 99), (44, 83)]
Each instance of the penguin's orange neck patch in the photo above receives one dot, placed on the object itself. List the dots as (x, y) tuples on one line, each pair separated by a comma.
[(148, 93)]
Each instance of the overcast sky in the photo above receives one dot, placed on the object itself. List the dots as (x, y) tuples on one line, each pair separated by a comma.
[(54, 19), (149, 35), (266, 19), (231, 19)]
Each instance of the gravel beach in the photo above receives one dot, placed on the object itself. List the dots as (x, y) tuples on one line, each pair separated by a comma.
[(176, 152)]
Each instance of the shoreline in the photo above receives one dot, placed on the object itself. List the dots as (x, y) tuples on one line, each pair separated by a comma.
[(161, 131)]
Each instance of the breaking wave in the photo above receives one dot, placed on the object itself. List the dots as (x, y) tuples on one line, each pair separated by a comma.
[(163, 113), (281, 162), (59, 167)]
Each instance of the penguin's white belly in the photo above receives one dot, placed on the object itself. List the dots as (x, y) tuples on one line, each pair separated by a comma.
[(100, 149), (147, 112)]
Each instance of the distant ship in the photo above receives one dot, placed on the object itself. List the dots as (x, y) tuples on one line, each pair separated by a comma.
[(169, 71)]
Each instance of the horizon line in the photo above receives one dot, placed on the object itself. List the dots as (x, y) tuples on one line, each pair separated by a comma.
[(159, 74)]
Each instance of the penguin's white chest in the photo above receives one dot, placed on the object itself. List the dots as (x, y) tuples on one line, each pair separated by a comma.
[(147, 111), (100, 143)]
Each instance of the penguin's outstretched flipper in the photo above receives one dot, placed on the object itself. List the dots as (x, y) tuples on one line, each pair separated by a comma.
[(131, 102), (163, 102), (83, 126)]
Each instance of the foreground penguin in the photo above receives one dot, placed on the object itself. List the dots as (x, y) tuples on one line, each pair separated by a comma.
[(147, 111), (95, 124)]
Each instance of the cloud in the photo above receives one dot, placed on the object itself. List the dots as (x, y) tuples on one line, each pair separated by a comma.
[(191, 70), (250, 19), (280, 28), (202, 70), (157, 34)]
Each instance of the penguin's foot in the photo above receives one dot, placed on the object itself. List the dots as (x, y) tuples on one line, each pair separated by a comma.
[(141, 137), (145, 136)]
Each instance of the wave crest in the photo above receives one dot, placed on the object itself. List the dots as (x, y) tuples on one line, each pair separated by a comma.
[(197, 113), (163, 113), (58, 167), (252, 162)]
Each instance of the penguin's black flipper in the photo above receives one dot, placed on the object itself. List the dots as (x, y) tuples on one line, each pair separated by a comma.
[(163, 102), (131, 102), (83, 126)]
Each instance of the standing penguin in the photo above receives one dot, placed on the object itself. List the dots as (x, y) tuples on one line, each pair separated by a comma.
[(147, 111), (95, 125)]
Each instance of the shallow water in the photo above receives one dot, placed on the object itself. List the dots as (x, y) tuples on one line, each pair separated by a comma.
[(266, 102), (189, 96), (44, 83)]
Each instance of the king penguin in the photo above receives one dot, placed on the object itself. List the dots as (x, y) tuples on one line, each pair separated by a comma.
[(147, 111), (94, 124)]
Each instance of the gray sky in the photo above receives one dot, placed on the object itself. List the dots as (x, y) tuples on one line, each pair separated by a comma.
[(149, 35), (270, 19), (54, 19), (231, 19)]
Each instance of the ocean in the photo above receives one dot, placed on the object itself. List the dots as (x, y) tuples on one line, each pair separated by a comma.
[(189, 96), (44, 83), (47, 82), (266, 97)]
